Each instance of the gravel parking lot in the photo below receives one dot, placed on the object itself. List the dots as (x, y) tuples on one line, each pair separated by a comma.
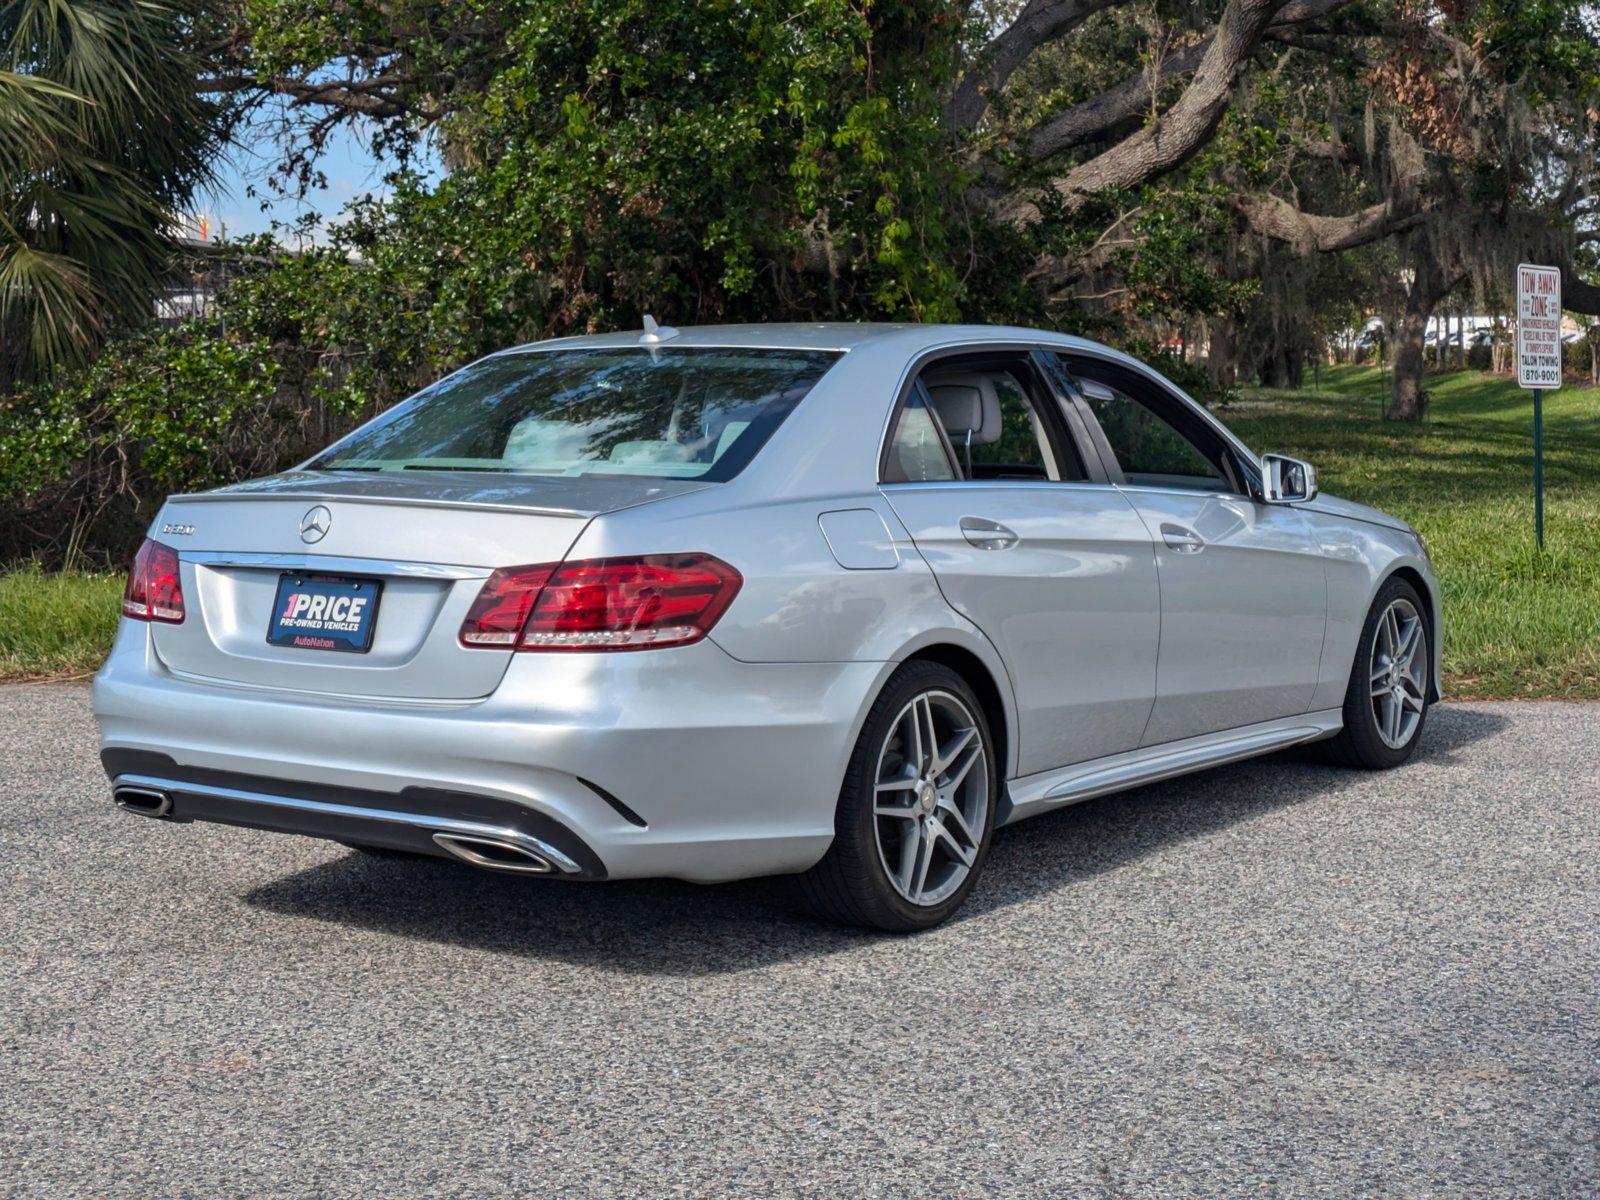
[(1275, 979)]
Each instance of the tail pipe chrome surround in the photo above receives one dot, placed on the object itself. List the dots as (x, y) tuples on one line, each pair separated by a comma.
[(495, 853), (146, 801)]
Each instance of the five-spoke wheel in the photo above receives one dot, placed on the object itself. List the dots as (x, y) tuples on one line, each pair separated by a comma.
[(1398, 673), (916, 811), (931, 801), (1386, 703)]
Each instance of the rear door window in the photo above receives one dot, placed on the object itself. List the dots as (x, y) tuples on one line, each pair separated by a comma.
[(994, 414)]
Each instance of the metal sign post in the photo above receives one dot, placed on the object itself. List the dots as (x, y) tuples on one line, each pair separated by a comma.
[(1538, 360)]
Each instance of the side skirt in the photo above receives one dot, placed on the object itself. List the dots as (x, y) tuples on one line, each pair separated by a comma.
[(1084, 781)]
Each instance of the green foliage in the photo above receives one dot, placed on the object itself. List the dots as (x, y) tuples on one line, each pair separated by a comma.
[(102, 136), (159, 411)]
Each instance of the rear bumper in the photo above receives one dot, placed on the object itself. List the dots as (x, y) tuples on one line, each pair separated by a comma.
[(420, 820), (683, 762)]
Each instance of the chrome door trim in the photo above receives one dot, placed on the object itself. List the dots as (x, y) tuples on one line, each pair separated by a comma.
[(1150, 764), (331, 563), (420, 821)]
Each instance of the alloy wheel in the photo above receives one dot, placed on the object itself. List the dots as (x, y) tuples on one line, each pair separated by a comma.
[(931, 797), (1399, 673)]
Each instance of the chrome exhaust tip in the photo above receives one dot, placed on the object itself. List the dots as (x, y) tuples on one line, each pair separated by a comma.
[(494, 854), (146, 801)]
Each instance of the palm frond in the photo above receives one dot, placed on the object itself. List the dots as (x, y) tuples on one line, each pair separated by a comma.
[(102, 137), (51, 300)]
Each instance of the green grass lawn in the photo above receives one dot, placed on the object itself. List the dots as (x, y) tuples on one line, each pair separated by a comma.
[(1518, 623), (55, 625)]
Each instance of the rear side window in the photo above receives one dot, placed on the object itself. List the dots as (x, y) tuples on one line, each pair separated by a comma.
[(678, 413), (917, 452)]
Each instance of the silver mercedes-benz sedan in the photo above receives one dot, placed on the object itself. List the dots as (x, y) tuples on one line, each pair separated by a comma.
[(833, 601)]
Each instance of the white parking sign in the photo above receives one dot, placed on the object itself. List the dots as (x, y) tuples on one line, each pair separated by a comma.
[(1538, 327)]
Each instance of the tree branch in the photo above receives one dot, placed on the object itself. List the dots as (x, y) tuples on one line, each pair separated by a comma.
[(1308, 233), (1173, 137), (1039, 22), (1578, 296), (1100, 116), (373, 97)]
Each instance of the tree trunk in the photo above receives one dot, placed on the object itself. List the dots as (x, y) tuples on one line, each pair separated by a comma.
[(1269, 369), (1409, 362), (1428, 287), (1222, 355)]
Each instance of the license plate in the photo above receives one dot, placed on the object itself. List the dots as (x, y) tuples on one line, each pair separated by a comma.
[(324, 612)]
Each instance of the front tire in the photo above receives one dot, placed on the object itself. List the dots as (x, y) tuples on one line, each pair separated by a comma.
[(1386, 702), (916, 811)]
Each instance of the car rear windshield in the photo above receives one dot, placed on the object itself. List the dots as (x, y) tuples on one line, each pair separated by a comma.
[(680, 413)]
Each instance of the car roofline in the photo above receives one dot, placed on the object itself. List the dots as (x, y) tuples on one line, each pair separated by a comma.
[(837, 337)]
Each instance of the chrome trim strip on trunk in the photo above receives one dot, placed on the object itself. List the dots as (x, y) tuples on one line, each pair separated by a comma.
[(420, 821), (325, 563)]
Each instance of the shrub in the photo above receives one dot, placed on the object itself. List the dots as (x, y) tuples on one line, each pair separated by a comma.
[(161, 410)]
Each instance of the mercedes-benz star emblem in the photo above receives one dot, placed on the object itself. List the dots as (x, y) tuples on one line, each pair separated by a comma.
[(315, 524)]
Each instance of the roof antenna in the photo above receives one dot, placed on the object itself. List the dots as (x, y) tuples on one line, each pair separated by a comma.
[(655, 334)]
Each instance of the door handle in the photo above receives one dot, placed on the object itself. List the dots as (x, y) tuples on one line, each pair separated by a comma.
[(987, 535), (1182, 540)]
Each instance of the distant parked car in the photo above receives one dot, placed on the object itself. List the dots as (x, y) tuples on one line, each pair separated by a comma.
[(827, 600)]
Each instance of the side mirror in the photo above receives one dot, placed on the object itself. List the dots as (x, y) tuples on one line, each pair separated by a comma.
[(1286, 480)]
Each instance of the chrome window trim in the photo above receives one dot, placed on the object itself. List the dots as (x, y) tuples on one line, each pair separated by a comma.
[(1043, 485), (1208, 493)]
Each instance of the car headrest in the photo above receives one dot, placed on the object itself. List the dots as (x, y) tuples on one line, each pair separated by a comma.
[(966, 402)]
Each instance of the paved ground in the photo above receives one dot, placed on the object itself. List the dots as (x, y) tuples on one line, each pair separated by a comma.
[(1272, 980)]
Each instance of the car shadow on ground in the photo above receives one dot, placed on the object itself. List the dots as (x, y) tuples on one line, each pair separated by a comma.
[(672, 928)]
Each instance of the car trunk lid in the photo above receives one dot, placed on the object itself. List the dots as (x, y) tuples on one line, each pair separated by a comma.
[(430, 539)]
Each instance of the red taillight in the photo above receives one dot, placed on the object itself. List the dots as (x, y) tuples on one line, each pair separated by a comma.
[(155, 590), (602, 603), (501, 610)]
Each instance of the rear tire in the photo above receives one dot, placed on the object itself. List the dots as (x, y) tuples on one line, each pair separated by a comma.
[(916, 811), (1386, 702)]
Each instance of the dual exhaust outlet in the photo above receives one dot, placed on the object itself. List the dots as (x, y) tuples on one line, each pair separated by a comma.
[(491, 853)]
